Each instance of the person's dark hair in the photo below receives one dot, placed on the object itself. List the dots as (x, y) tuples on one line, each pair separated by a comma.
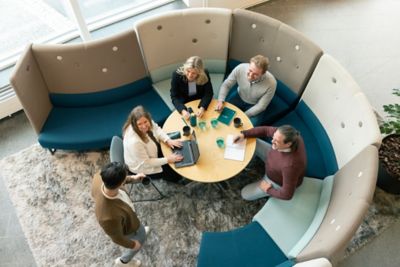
[(113, 174), (291, 135), (133, 117)]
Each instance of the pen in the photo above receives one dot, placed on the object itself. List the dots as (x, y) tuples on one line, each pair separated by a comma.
[(184, 121)]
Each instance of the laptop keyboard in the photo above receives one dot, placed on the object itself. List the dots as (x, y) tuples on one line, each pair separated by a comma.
[(184, 152)]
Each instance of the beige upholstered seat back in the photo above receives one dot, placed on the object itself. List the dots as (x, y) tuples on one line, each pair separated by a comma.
[(343, 110), (353, 189), (31, 89), (252, 33), (293, 57), (93, 66), (169, 39)]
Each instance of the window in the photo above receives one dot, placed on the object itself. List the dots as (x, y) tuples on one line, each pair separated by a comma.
[(52, 21)]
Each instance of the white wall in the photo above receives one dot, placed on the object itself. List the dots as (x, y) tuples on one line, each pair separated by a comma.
[(9, 106)]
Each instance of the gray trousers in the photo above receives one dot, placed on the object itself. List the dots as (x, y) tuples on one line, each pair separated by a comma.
[(139, 235), (253, 191)]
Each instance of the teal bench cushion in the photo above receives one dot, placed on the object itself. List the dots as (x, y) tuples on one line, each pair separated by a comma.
[(92, 127), (292, 223), (247, 246), (321, 159), (109, 96)]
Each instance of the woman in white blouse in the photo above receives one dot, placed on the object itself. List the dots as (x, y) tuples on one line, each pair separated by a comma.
[(142, 152)]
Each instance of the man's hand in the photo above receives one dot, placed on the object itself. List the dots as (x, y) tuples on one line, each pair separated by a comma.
[(219, 106), (264, 185), (238, 138), (135, 178), (136, 245)]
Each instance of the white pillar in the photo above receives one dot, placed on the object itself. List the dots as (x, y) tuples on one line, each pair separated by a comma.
[(73, 9)]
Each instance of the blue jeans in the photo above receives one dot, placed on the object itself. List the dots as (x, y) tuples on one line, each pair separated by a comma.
[(139, 235), (234, 98)]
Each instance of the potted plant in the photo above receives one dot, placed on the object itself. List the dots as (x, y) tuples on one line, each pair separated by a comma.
[(389, 152)]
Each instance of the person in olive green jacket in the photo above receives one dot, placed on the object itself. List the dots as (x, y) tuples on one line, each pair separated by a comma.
[(115, 211)]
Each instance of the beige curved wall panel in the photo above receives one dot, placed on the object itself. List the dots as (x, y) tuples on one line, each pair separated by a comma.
[(351, 196), (342, 108), (169, 39), (293, 57), (252, 34), (92, 67), (31, 89)]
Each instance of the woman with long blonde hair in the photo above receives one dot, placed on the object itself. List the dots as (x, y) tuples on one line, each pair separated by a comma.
[(189, 82)]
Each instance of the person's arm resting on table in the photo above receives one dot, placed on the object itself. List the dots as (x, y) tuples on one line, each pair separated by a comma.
[(225, 88), (177, 97)]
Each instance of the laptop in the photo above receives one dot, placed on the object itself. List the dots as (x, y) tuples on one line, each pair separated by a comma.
[(189, 151)]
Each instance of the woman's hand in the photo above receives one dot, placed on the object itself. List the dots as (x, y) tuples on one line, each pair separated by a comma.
[(173, 143), (174, 157), (185, 114), (200, 112)]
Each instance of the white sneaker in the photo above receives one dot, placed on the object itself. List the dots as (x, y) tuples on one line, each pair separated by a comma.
[(147, 229), (132, 263)]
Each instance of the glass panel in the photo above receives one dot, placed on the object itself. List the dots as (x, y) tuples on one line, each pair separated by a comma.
[(23, 22), (92, 9), (42, 21)]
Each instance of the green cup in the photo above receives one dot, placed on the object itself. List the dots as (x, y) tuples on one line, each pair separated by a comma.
[(220, 142), (202, 125), (214, 123)]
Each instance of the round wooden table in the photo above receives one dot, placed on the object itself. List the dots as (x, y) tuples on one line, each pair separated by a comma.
[(211, 166)]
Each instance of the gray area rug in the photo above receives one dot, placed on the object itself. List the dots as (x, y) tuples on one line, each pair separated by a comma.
[(53, 203)]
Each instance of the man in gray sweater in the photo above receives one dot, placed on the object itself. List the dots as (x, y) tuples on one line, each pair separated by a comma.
[(256, 87)]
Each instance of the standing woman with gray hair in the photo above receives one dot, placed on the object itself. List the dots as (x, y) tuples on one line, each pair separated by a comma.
[(191, 81)]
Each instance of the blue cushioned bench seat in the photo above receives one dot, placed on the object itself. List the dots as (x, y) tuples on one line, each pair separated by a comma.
[(247, 246), (321, 159), (89, 121), (293, 223)]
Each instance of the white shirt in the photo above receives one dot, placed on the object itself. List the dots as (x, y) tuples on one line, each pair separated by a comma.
[(143, 157), (192, 88), (122, 195)]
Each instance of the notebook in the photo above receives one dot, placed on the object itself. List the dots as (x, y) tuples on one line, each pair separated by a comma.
[(234, 151), (189, 151), (226, 115)]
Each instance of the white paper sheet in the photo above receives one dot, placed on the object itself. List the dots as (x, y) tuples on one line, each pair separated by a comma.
[(234, 151)]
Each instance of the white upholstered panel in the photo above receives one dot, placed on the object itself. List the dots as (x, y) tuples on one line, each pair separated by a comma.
[(341, 107), (173, 37)]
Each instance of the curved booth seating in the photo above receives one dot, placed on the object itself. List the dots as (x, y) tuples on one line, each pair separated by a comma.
[(181, 34), (334, 118), (292, 56), (317, 222), (78, 96)]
